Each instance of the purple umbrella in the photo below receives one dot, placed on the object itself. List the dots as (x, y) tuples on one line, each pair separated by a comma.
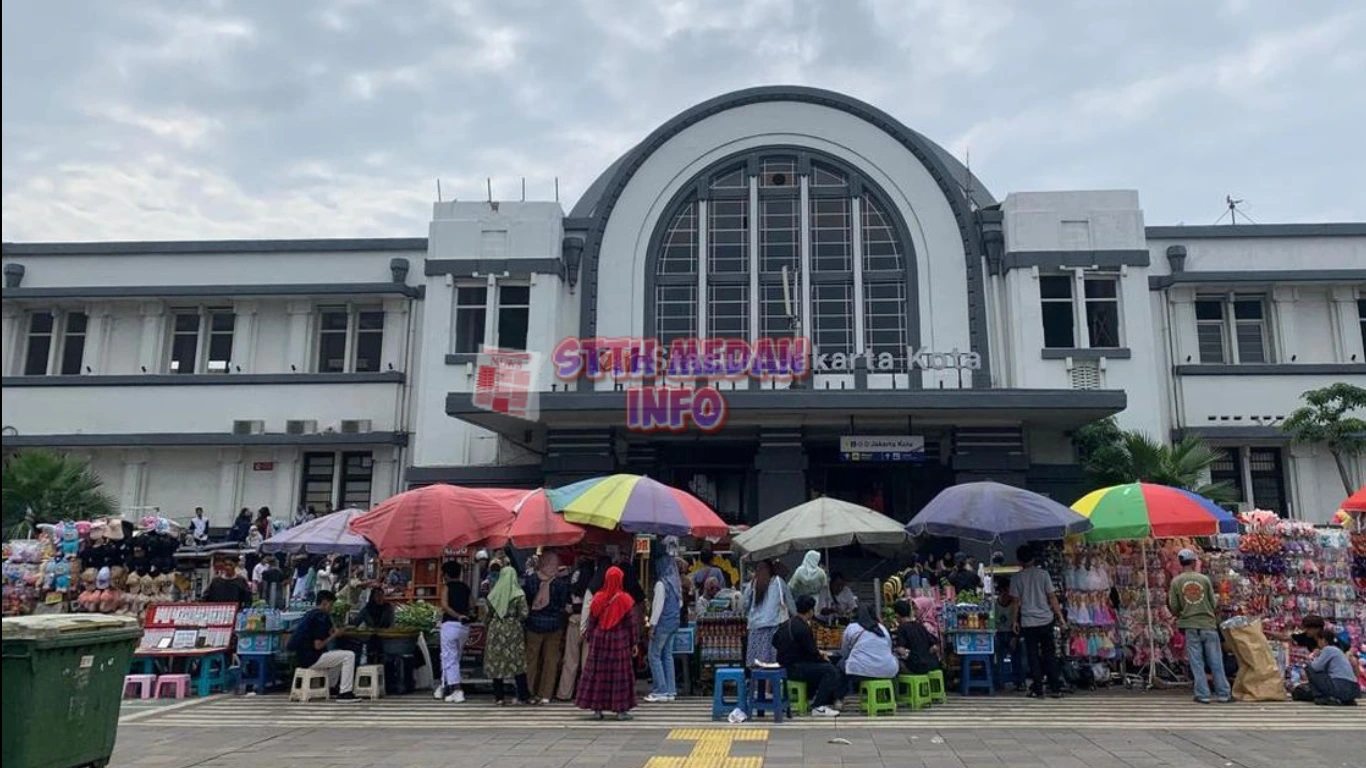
[(326, 535), (994, 512)]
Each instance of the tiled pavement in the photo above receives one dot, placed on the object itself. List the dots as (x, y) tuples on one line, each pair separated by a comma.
[(1131, 730)]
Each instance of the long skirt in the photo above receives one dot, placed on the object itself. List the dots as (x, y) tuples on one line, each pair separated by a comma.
[(608, 683), (761, 645)]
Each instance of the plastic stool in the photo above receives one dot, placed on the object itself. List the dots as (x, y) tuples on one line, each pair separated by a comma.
[(720, 705), (797, 701), (213, 673), (369, 681), (180, 686), (143, 685), (972, 682), (768, 687), (878, 697), (938, 692), (913, 691), (256, 673), (309, 684)]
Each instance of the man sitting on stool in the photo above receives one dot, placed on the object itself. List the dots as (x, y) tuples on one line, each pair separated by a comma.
[(312, 636), (804, 662)]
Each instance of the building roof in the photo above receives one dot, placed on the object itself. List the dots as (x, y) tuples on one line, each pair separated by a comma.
[(135, 248)]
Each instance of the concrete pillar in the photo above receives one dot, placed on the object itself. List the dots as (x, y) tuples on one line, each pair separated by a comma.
[(152, 342), (1283, 297), (244, 337), (134, 490), (285, 495), (229, 487), (780, 465), (1348, 344), (396, 319), (299, 344), (12, 340), (99, 327)]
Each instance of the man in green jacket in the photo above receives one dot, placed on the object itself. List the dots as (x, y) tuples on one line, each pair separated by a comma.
[(1191, 599)]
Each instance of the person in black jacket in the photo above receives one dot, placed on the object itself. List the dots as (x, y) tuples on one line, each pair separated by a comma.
[(914, 644), (798, 654)]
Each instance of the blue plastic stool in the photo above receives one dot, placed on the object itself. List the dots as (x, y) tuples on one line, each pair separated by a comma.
[(768, 688), (971, 682), (721, 706), (258, 672)]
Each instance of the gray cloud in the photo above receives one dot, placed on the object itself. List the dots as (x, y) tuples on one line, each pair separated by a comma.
[(160, 120)]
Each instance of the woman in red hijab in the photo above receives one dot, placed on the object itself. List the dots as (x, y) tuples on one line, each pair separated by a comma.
[(609, 680)]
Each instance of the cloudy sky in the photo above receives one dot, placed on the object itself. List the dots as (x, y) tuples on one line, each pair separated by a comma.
[(177, 119)]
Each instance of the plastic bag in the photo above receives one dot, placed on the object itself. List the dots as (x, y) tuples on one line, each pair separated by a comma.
[(738, 716)]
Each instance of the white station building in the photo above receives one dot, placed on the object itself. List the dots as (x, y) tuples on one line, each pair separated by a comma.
[(294, 373)]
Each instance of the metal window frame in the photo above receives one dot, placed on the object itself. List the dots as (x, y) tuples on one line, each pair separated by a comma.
[(456, 306), (1118, 301)]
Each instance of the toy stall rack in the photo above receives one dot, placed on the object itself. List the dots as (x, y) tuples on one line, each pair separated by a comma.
[(197, 634)]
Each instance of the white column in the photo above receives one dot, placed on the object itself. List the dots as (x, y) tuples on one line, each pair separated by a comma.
[(285, 495), (804, 237), (1245, 473), (13, 339), (152, 343), (856, 229), (1283, 298), (1348, 342), (134, 489), (754, 224), (1185, 344), (244, 333), (98, 328), (229, 487), (491, 312), (701, 268), (300, 323), (396, 319)]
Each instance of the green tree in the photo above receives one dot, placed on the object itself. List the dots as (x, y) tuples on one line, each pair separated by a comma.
[(1332, 418), (1113, 456), (42, 486)]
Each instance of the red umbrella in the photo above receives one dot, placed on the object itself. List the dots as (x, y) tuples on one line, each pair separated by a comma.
[(427, 521), (538, 525), (1356, 502)]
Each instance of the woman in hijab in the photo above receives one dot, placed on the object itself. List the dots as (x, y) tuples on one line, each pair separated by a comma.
[(810, 578), (504, 643), (545, 625), (867, 650), (665, 619), (768, 603), (926, 614), (608, 682)]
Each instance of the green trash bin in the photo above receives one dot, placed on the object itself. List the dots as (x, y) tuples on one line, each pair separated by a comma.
[(63, 681)]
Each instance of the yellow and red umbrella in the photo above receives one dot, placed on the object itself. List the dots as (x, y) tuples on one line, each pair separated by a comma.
[(1147, 510)]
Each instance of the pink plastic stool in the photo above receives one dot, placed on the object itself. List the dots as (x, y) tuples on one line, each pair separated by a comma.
[(180, 685), (142, 685)]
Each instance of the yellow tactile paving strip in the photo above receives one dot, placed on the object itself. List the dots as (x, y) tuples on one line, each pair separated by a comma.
[(711, 748)]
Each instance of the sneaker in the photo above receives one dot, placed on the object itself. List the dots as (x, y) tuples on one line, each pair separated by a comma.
[(1224, 700), (1199, 700), (1055, 695), (439, 692), (623, 716), (825, 712), (456, 697), (348, 696), (657, 698), (1036, 694)]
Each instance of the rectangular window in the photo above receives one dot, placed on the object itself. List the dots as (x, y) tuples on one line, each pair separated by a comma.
[(471, 314), (832, 248), (193, 330), (73, 343), (1227, 469), (1361, 318), (778, 234), (222, 323), (514, 316), (184, 341), (1232, 329), (358, 470), (833, 307), (727, 237), (337, 480), (675, 312), (884, 327), (39, 350), (728, 311), (1102, 312), (1268, 479), (317, 483), (350, 339), (1059, 317)]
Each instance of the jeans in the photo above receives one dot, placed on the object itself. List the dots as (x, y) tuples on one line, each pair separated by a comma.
[(1202, 645), (1325, 687), (340, 667), (661, 659), (823, 678), (1042, 652), (453, 636)]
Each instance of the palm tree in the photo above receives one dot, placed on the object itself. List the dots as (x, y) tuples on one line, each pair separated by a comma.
[(1328, 420), (42, 486), (1112, 456)]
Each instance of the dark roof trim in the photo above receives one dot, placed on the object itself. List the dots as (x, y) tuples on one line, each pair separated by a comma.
[(479, 267), (1205, 231), (214, 291), (215, 247), (1057, 353), (202, 379), (175, 439), (1057, 259), (1158, 282), (485, 475), (1231, 433), (604, 193), (1273, 369)]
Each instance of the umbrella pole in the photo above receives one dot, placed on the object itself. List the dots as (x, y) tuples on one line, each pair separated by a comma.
[(1148, 600)]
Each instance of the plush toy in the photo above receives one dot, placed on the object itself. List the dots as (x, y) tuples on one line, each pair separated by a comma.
[(70, 541), (62, 581)]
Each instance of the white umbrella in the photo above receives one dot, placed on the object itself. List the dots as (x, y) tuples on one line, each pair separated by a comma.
[(820, 524)]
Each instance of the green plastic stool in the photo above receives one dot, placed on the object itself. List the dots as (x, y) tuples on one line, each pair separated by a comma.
[(913, 691), (796, 698), (878, 697), (937, 689)]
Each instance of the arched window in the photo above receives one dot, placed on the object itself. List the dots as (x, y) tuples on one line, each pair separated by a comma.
[(784, 243)]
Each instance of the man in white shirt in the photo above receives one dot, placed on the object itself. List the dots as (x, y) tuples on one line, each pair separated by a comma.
[(838, 599), (1035, 614), (199, 527)]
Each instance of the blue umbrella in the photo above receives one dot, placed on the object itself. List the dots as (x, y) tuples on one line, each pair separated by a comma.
[(994, 512), (326, 535)]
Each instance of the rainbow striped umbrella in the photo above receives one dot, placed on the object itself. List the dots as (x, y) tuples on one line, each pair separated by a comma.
[(1145, 510), (636, 504)]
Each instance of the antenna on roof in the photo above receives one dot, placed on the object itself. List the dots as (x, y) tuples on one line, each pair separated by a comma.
[(438, 189), (524, 189), (557, 189), (488, 182), (1233, 211), (967, 187)]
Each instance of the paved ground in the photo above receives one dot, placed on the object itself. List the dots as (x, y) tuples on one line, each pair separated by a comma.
[(1121, 730)]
